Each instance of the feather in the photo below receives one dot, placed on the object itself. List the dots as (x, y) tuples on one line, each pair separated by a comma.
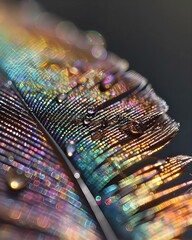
[(76, 133)]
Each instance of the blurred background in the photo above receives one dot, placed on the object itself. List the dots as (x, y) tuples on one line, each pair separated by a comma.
[(155, 37)]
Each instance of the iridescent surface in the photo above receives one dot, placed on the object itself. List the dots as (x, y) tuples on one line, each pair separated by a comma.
[(144, 202), (50, 202), (106, 120)]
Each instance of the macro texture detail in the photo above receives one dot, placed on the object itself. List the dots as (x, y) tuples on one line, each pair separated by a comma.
[(78, 131)]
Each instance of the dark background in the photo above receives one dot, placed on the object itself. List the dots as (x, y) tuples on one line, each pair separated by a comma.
[(155, 36)]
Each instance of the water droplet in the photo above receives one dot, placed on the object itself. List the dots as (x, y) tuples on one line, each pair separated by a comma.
[(128, 126), (77, 175), (129, 228), (16, 180), (9, 83), (74, 71), (11, 158), (90, 111), (136, 128), (99, 52), (107, 82), (52, 64), (95, 38), (98, 200), (86, 121), (161, 167), (61, 97), (70, 148)]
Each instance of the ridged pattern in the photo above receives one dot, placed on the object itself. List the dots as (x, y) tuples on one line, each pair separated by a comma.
[(51, 203), (114, 121)]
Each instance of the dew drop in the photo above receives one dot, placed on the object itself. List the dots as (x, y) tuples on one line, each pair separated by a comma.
[(95, 38), (16, 180), (77, 175), (107, 82), (86, 121), (90, 111), (61, 97), (98, 200), (129, 228), (99, 52), (11, 158), (70, 148), (74, 71), (136, 128)]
